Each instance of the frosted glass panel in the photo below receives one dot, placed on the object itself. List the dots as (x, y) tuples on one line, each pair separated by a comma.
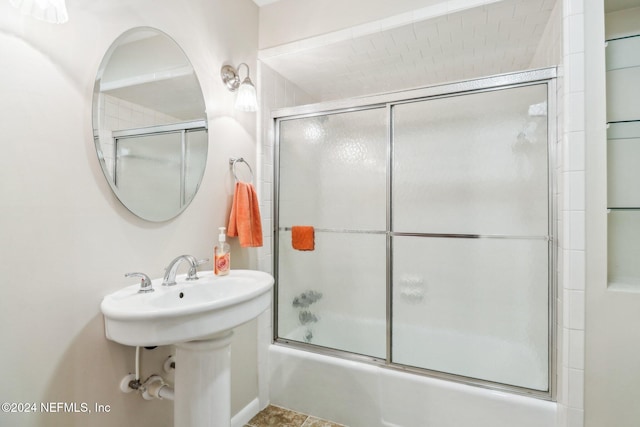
[(331, 167), (196, 160), (624, 249), (472, 164), (472, 307), (148, 175), (334, 296)]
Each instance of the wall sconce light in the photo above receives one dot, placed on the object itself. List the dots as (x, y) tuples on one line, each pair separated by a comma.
[(54, 11), (247, 99)]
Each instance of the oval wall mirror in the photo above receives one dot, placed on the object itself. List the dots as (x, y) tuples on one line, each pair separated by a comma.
[(149, 124)]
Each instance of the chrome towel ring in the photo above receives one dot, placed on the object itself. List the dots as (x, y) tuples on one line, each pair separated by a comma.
[(233, 161)]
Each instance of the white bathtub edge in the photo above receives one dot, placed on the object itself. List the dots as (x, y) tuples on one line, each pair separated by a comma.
[(360, 394)]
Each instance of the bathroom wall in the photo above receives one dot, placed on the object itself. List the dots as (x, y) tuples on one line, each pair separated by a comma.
[(67, 241)]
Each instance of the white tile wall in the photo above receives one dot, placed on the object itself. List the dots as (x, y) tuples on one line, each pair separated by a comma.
[(572, 240), (276, 92), (575, 146), (576, 348)]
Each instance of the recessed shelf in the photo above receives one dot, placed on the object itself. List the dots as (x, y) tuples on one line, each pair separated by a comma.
[(627, 129), (622, 284), (623, 155), (623, 53), (624, 249), (623, 79)]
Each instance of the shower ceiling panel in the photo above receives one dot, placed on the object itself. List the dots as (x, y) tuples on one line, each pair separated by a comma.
[(492, 39)]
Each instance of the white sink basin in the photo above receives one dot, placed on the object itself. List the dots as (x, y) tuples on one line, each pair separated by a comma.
[(187, 311)]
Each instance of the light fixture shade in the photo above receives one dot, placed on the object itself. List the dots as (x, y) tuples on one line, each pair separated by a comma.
[(54, 11), (247, 99)]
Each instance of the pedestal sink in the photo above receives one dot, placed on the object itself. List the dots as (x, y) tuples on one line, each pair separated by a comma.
[(198, 317)]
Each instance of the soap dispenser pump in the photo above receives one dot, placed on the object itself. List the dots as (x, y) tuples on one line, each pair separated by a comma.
[(221, 255)]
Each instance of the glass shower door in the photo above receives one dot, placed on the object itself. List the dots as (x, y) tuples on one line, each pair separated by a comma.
[(332, 176), (147, 173), (470, 235), (158, 173)]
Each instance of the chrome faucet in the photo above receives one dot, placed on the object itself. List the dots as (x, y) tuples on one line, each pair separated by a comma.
[(172, 269), (145, 282)]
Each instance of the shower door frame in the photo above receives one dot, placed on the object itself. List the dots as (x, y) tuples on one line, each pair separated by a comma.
[(388, 100)]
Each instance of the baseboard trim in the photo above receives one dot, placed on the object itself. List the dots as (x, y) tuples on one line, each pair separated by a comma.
[(245, 414)]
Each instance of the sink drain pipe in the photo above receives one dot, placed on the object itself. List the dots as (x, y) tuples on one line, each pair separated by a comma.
[(156, 388)]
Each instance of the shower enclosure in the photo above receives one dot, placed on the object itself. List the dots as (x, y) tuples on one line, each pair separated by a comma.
[(156, 170), (434, 222)]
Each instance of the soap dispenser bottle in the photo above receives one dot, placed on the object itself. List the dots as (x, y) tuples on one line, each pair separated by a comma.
[(221, 256)]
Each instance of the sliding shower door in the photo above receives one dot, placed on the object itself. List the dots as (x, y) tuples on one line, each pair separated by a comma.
[(158, 173), (433, 218), (332, 175), (147, 172), (470, 234)]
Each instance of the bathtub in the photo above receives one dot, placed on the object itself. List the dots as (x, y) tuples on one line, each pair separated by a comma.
[(359, 394), (446, 350)]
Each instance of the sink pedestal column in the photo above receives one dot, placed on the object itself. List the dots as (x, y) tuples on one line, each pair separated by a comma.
[(203, 383)]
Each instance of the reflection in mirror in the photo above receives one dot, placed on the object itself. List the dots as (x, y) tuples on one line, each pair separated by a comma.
[(149, 124)]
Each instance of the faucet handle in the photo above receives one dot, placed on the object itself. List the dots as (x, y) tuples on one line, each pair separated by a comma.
[(145, 282), (193, 270)]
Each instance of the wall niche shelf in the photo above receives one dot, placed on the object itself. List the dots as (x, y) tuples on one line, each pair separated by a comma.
[(623, 163)]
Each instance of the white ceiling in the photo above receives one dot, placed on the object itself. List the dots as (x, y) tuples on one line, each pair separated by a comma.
[(487, 40)]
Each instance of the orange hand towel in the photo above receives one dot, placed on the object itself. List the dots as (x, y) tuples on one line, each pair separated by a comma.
[(302, 237), (244, 220)]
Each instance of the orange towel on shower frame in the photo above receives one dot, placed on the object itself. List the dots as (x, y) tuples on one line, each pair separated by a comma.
[(302, 237), (244, 220)]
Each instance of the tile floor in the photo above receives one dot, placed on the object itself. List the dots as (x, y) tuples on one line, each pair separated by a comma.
[(275, 416)]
